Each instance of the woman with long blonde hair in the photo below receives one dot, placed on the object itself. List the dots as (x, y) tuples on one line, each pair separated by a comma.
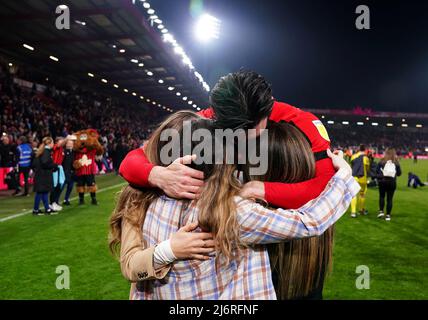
[(141, 261), (240, 268), (388, 169), (43, 167)]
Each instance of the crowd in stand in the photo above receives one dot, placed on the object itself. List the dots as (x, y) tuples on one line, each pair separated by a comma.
[(28, 114), (406, 141)]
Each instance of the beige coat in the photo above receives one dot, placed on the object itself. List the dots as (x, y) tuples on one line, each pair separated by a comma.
[(136, 261)]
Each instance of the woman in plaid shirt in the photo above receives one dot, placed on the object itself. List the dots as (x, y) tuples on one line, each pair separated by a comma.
[(241, 227)]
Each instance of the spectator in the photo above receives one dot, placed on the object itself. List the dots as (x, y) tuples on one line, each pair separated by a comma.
[(43, 168), (119, 152), (68, 171), (7, 156), (414, 181), (24, 165), (388, 170), (58, 157)]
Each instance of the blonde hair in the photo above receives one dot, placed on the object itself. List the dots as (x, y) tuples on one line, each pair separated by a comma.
[(216, 204), (132, 204), (217, 210), (46, 141), (390, 154)]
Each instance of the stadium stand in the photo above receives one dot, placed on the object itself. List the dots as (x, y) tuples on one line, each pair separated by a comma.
[(115, 69), (407, 132), (110, 47)]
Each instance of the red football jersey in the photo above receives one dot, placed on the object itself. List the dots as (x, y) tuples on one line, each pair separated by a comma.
[(58, 154), (87, 160)]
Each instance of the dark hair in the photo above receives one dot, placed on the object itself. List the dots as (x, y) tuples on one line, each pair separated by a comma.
[(362, 147), (299, 266), (241, 100), (23, 139)]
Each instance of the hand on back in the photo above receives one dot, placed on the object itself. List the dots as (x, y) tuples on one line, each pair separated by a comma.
[(178, 180)]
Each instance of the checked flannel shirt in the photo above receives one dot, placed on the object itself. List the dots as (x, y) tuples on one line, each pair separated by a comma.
[(248, 276)]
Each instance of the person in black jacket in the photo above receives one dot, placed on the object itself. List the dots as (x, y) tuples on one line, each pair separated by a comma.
[(67, 165), (7, 152), (43, 166), (8, 161), (388, 169)]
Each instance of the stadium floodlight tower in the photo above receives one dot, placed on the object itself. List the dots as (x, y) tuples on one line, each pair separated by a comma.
[(207, 28)]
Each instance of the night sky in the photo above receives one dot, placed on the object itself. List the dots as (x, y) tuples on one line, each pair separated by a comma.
[(312, 52)]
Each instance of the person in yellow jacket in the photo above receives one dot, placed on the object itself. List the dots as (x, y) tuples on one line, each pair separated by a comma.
[(360, 167)]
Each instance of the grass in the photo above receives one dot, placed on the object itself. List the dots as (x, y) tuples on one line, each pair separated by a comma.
[(13, 205), (396, 252), (31, 248)]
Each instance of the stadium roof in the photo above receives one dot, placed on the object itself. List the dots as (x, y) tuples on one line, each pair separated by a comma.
[(112, 44)]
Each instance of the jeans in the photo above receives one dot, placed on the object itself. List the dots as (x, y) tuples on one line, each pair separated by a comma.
[(55, 194), (69, 184), (41, 196)]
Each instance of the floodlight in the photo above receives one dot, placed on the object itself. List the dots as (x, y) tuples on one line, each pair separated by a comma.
[(207, 28)]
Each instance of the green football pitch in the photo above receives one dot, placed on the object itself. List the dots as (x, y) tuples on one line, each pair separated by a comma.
[(31, 248)]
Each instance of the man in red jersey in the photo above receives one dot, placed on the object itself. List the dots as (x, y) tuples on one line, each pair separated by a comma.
[(241, 100)]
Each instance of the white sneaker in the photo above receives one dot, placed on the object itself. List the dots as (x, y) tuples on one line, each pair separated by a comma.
[(353, 215), (381, 214), (388, 218), (57, 206)]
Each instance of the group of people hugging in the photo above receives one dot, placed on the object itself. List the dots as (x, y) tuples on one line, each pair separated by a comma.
[(186, 229)]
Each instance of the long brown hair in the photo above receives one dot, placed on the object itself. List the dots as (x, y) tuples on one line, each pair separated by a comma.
[(216, 204), (132, 203), (46, 141), (390, 154), (300, 265)]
